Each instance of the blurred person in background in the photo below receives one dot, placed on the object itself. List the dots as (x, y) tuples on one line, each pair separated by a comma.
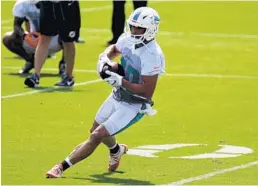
[(118, 17), (61, 18), (24, 43)]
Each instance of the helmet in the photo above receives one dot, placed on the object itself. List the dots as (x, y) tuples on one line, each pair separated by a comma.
[(143, 17)]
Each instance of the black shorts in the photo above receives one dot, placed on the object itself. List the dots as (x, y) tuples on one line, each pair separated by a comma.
[(63, 18)]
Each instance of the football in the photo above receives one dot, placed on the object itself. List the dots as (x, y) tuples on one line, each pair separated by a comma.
[(113, 67), (32, 39)]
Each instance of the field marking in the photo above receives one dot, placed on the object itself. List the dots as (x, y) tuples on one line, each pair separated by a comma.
[(50, 69), (93, 9), (212, 76), (174, 34), (50, 89), (166, 74), (84, 10), (211, 174)]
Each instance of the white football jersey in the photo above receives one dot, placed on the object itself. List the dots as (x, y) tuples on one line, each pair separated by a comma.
[(147, 60), (28, 10)]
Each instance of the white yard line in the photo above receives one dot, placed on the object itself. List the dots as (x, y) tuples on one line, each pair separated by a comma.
[(49, 89), (211, 174), (94, 9), (84, 10), (167, 74), (173, 34), (50, 69), (99, 80), (211, 76)]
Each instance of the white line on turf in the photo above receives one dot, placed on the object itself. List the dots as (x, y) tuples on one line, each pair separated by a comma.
[(93, 9), (167, 74), (211, 174), (50, 69), (175, 34), (49, 89), (84, 10)]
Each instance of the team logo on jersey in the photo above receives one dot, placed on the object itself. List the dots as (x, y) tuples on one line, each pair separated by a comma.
[(72, 34)]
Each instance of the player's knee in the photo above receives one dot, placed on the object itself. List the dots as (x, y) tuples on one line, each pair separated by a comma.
[(99, 133), (5, 41), (45, 40), (96, 137), (9, 42), (92, 129), (94, 126)]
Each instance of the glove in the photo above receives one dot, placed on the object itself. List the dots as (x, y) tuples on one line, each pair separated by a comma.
[(115, 80), (103, 59)]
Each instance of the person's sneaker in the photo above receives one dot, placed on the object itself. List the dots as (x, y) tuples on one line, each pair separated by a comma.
[(66, 82), (32, 81), (27, 67), (114, 159), (80, 40), (55, 172), (62, 68), (51, 56)]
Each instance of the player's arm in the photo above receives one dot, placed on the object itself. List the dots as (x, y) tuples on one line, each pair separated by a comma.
[(146, 89), (18, 30), (112, 52)]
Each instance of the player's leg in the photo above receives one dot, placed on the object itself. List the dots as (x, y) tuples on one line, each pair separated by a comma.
[(104, 112), (47, 30), (138, 4), (84, 149), (124, 117), (55, 46), (82, 152), (109, 141), (69, 30), (62, 65), (15, 45), (118, 20)]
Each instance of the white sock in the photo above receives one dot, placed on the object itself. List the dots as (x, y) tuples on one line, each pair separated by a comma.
[(68, 161), (112, 146)]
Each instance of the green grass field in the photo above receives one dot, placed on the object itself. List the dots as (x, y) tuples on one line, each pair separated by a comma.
[(208, 96)]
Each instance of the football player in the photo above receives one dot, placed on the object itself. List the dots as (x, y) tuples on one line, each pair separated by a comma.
[(24, 43), (143, 61)]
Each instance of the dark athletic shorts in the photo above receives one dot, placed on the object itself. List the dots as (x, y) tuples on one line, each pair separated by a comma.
[(63, 18)]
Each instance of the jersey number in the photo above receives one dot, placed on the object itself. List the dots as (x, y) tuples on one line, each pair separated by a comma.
[(131, 74)]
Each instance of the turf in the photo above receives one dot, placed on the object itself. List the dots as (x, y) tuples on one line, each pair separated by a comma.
[(208, 96)]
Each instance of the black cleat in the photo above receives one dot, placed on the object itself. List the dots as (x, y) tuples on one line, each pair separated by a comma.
[(32, 81), (27, 67), (66, 82)]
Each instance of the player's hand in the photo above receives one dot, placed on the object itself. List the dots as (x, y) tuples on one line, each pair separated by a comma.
[(114, 80), (103, 59)]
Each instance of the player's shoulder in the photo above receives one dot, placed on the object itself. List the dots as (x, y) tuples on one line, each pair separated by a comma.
[(19, 8), (152, 59), (122, 42), (123, 39), (152, 51), (18, 5)]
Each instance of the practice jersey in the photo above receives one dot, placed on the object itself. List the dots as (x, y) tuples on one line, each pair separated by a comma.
[(147, 60), (28, 10)]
